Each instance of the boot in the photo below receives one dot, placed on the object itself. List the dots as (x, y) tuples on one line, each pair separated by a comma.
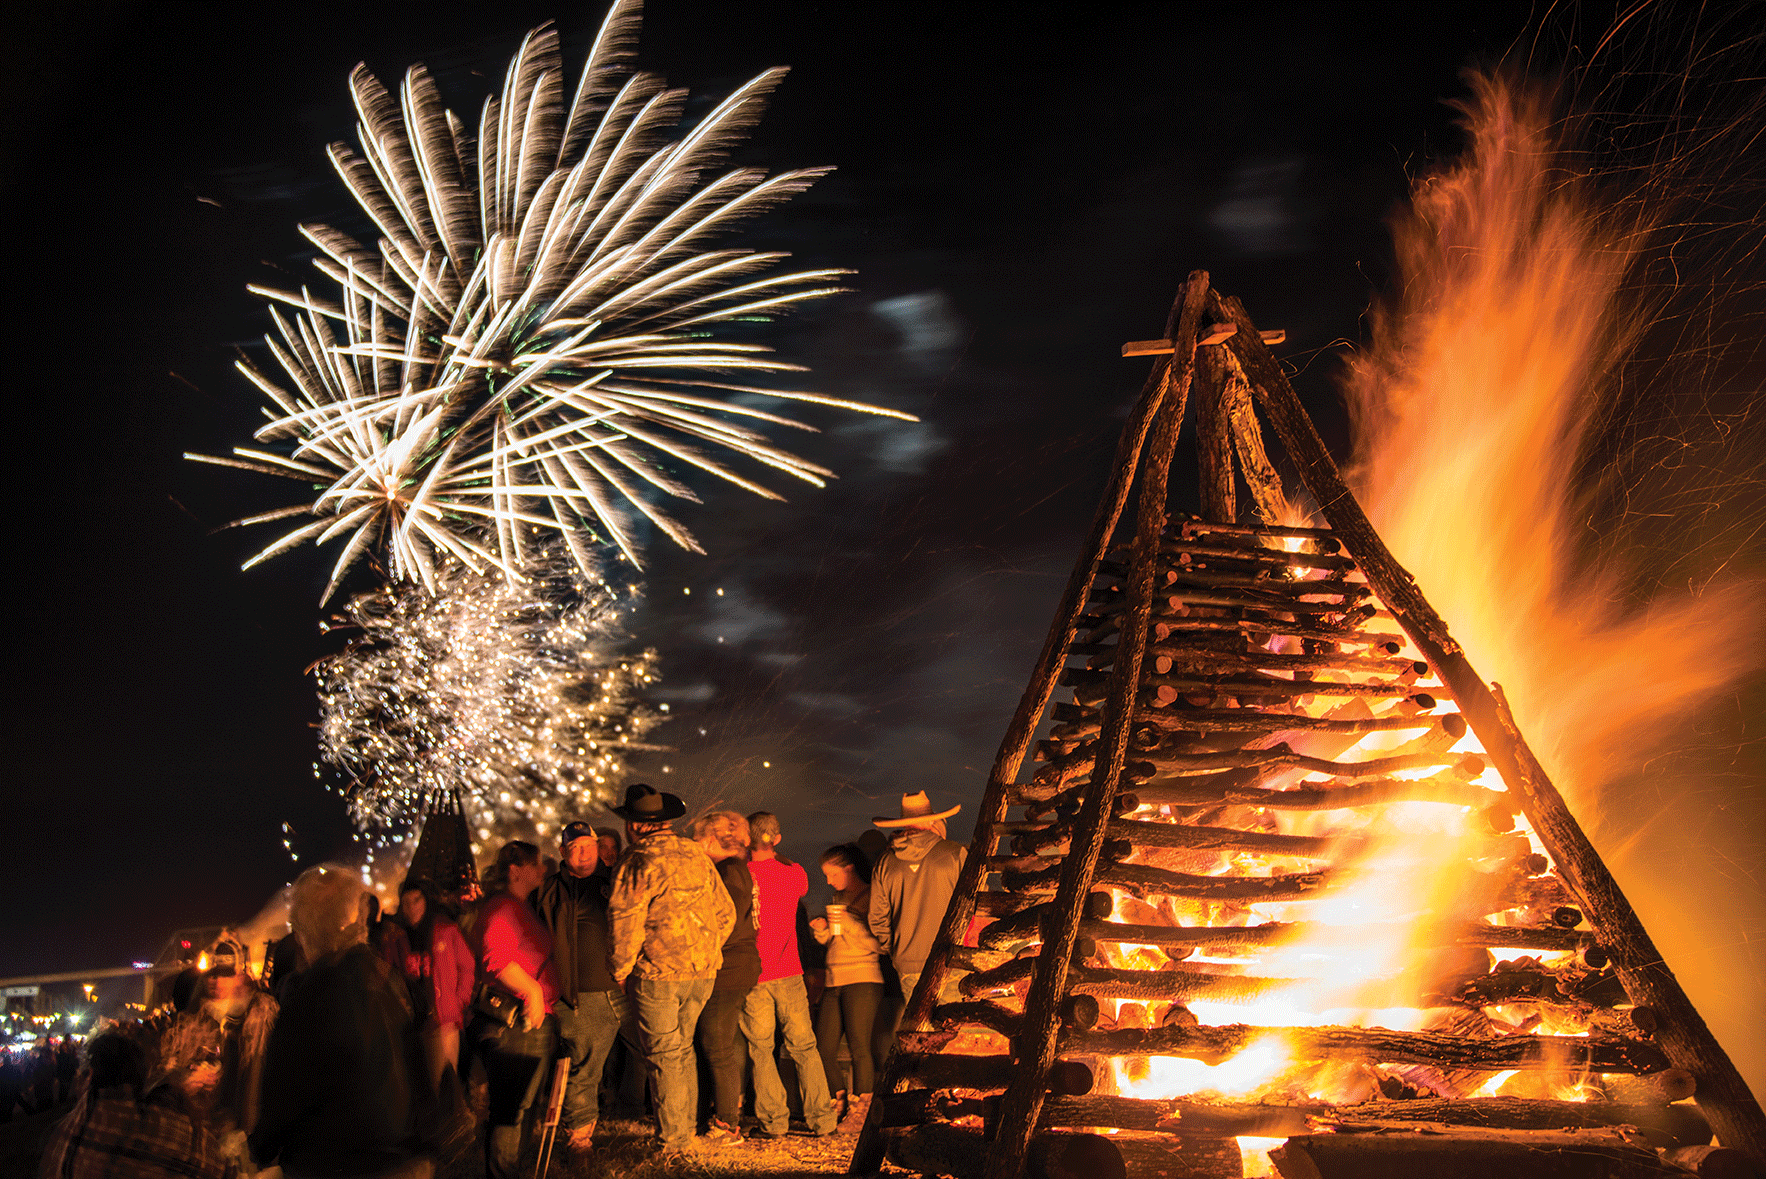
[(856, 1109), (581, 1140)]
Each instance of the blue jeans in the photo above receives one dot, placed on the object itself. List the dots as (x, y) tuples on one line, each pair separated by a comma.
[(668, 1013), (586, 1035), (517, 1065), (784, 1001)]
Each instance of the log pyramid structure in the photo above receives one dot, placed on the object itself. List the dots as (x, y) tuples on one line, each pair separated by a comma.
[(1225, 678)]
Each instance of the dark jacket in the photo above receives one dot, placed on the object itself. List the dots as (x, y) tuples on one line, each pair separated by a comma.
[(741, 968), (338, 1096), (574, 908)]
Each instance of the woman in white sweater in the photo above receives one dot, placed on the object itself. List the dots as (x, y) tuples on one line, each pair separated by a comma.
[(855, 979)]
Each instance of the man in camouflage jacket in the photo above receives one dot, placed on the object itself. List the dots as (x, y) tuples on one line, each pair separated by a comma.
[(668, 915)]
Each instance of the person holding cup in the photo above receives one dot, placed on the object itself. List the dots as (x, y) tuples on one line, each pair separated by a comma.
[(855, 978)]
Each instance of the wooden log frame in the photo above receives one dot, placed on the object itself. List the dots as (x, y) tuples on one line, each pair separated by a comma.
[(1162, 387), (1024, 1096), (1734, 1112)]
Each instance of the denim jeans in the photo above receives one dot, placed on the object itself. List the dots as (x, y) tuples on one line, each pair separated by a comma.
[(668, 1013), (517, 1066), (723, 1052), (586, 1035), (784, 1001)]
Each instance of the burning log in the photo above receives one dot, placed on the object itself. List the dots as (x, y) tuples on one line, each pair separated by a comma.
[(1224, 789), (1212, 1045), (1260, 630), (1246, 720), (1662, 1125), (1179, 579), (1142, 880), (1198, 660), (1178, 986), (1282, 756), (1668, 1085), (959, 1071), (1003, 1020), (1177, 835), (1269, 686), (1472, 1154), (1278, 933), (1181, 549)]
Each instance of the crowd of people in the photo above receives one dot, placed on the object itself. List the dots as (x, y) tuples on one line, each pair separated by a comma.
[(615, 974)]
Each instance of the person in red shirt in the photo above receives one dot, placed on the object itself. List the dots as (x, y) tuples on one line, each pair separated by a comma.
[(515, 949), (779, 997), (429, 953)]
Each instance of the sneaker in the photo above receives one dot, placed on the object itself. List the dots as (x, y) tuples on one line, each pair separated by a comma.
[(718, 1133), (764, 1134)]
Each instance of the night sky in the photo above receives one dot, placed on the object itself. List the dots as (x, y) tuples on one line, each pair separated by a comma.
[(1020, 187)]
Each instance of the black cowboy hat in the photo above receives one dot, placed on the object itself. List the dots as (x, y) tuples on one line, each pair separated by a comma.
[(645, 804)]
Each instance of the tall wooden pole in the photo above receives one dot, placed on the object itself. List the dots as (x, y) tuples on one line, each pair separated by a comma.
[(1732, 1109), (867, 1155), (1035, 1047)]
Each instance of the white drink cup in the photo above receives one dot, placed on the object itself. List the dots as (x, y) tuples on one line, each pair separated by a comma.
[(836, 913)]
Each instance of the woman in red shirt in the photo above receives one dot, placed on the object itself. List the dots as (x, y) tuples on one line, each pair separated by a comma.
[(428, 950), (515, 951)]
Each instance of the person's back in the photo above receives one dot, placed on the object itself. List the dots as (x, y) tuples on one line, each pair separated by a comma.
[(338, 1095), (779, 999), (113, 1132), (669, 910), (912, 885)]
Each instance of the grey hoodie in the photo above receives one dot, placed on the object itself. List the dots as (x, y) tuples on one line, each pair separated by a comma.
[(910, 890)]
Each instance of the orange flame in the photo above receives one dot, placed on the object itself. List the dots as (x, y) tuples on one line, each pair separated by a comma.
[(1473, 414)]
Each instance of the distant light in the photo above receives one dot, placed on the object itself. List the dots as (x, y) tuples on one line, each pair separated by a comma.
[(720, 591), (766, 765), (685, 590), (141, 965)]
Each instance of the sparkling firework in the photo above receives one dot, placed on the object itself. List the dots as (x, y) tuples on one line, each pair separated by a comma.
[(539, 328), (514, 694)]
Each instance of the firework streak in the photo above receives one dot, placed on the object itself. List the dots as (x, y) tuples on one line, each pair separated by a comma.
[(541, 326)]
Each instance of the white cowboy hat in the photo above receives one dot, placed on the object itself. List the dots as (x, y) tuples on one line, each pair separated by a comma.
[(916, 811)]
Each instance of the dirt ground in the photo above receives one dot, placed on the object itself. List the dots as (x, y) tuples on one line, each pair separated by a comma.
[(624, 1149)]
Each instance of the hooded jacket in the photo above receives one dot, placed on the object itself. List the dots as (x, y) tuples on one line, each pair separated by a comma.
[(910, 889)]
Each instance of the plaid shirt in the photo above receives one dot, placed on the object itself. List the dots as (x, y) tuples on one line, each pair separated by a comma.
[(110, 1135)]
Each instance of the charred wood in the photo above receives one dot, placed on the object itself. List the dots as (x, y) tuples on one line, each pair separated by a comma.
[(1467, 1154), (991, 1015), (1317, 797), (1180, 985), (1248, 720)]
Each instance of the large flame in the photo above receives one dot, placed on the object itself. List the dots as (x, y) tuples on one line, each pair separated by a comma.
[(1475, 415)]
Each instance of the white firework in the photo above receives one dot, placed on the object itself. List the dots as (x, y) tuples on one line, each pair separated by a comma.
[(520, 699), (537, 332)]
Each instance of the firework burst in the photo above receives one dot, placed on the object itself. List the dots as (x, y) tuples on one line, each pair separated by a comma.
[(515, 696), (542, 328)]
